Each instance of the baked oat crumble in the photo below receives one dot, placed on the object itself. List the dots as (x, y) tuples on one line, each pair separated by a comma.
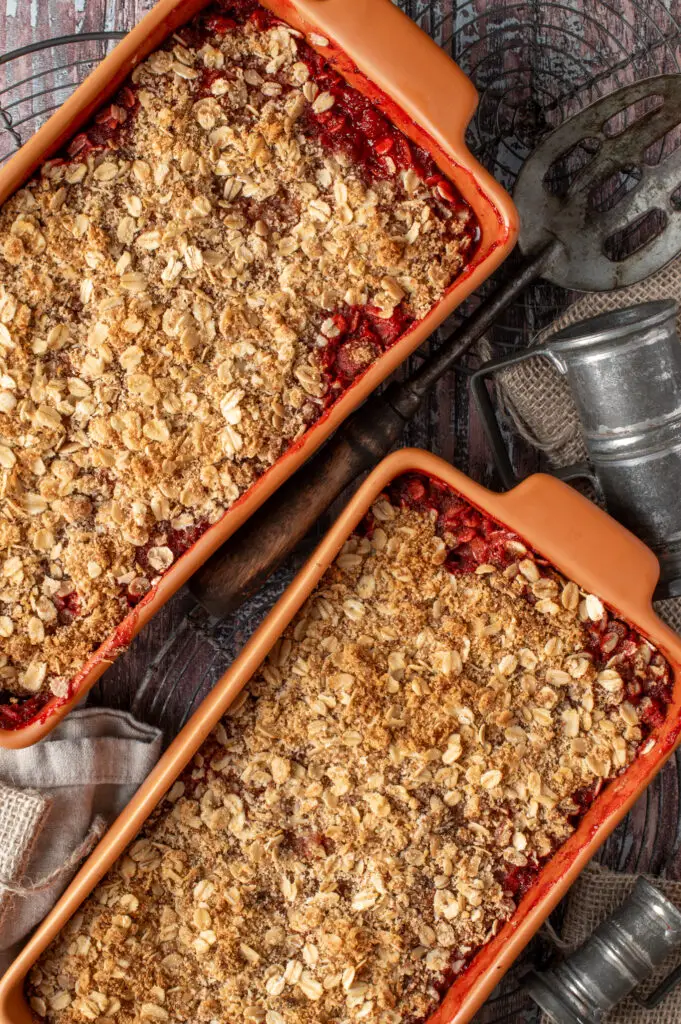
[(183, 294), (425, 734)]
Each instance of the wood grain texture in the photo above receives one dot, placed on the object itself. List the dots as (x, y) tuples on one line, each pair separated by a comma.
[(534, 64)]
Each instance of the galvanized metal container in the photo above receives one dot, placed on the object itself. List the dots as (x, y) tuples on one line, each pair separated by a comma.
[(622, 953), (624, 373)]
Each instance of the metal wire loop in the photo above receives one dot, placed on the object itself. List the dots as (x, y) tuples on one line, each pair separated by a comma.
[(25, 100)]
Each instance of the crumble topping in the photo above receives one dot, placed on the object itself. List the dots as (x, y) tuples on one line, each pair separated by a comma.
[(426, 732), (183, 294)]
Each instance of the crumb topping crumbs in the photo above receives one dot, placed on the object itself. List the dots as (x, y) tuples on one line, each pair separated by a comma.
[(171, 292), (366, 815)]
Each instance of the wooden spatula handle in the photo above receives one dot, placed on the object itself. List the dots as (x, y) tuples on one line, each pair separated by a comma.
[(247, 559)]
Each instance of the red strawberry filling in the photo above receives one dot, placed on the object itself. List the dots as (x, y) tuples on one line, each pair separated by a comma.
[(474, 539)]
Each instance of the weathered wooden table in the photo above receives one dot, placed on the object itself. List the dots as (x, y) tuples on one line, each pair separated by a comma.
[(534, 62)]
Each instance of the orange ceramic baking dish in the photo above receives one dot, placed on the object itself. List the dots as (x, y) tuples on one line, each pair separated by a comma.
[(583, 543), (382, 53)]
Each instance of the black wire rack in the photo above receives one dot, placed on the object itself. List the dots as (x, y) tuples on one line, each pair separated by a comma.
[(37, 78)]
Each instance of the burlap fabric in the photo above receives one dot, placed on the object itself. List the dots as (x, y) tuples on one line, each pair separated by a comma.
[(536, 400), (593, 897), (22, 815)]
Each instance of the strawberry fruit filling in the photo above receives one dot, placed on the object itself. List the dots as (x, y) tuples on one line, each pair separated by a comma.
[(473, 539)]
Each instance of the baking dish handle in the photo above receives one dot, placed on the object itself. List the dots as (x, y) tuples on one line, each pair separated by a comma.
[(356, 25), (582, 540)]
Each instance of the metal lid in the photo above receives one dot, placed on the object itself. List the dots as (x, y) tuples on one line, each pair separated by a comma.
[(618, 323)]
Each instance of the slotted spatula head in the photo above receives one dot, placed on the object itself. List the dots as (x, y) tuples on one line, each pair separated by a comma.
[(610, 194)]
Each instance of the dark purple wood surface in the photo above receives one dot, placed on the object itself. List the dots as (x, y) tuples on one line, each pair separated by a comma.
[(534, 63)]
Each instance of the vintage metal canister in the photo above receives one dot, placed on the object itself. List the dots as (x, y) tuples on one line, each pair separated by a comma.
[(623, 952), (624, 373)]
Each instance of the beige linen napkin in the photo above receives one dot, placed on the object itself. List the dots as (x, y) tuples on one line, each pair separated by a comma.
[(56, 799)]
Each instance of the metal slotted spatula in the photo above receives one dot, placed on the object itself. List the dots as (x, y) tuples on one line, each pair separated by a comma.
[(599, 199), (597, 212)]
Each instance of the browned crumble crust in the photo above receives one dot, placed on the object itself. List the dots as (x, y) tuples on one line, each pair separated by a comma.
[(344, 837), (162, 310)]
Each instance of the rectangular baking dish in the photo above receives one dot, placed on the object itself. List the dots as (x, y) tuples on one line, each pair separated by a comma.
[(583, 543), (391, 60)]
